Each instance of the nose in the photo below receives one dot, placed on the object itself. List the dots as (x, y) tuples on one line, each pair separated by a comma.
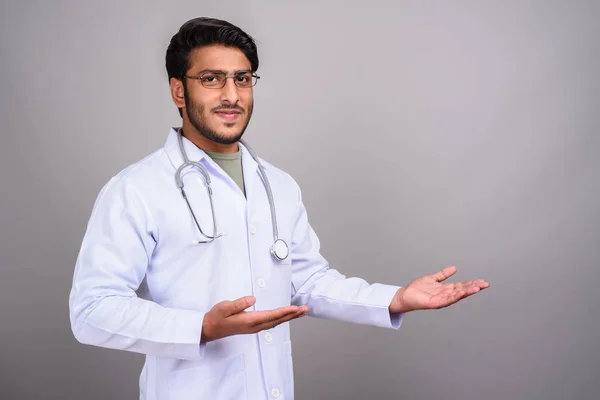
[(229, 92)]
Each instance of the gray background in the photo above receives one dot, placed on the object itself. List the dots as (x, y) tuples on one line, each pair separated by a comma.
[(423, 134)]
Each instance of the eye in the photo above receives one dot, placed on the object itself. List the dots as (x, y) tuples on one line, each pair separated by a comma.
[(210, 78)]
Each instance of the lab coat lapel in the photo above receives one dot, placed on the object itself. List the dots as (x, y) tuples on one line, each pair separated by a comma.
[(173, 151), (256, 195), (194, 154), (250, 168)]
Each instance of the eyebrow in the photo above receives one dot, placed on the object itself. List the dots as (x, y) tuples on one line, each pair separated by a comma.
[(218, 71)]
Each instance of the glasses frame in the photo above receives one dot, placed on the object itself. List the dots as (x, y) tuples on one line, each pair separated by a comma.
[(199, 78)]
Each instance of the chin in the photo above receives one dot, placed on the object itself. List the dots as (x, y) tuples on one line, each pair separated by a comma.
[(231, 131), (229, 137)]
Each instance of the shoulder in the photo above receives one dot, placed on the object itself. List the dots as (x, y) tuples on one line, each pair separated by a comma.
[(139, 177), (143, 169), (282, 177)]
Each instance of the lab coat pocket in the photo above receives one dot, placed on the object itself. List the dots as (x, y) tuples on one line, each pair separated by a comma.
[(213, 379)]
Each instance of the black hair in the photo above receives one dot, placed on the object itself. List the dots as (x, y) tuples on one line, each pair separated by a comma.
[(204, 31)]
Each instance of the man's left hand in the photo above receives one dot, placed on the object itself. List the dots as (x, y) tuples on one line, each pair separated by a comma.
[(427, 292)]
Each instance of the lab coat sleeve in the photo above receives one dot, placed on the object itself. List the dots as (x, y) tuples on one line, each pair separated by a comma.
[(104, 308), (327, 292)]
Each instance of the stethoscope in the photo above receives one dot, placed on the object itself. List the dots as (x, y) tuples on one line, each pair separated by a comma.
[(279, 249)]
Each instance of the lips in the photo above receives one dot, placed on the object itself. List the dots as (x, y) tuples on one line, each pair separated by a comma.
[(228, 115)]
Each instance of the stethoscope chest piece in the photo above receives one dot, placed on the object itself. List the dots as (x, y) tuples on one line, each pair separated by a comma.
[(280, 250)]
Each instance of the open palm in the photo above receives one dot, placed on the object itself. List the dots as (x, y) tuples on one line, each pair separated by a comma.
[(427, 292)]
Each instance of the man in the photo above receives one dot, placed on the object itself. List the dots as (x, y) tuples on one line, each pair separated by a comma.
[(201, 268)]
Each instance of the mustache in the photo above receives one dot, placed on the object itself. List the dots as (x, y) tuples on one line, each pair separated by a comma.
[(228, 107)]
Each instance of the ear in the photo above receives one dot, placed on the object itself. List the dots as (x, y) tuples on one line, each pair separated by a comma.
[(177, 92)]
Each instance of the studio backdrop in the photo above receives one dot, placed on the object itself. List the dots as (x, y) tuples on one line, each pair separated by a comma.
[(422, 133)]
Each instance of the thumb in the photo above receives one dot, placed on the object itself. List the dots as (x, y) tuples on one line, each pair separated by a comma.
[(239, 305), (444, 273)]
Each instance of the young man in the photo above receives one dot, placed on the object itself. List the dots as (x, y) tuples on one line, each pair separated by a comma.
[(199, 264)]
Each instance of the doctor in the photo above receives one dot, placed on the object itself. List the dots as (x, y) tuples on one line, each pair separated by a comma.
[(199, 254)]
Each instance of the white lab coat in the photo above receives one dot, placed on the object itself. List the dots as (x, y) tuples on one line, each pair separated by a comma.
[(141, 284)]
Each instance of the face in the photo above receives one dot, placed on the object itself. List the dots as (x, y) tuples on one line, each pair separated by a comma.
[(219, 114)]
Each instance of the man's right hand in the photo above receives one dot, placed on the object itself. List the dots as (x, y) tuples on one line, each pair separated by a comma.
[(229, 318)]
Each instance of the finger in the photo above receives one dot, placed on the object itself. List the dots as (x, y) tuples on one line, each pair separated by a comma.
[(451, 297), (239, 305), (476, 282), (259, 317), (479, 285), (272, 324), (449, 289), (482, 283), (462, 294), (444, 273), (267, 317), (453, 287)]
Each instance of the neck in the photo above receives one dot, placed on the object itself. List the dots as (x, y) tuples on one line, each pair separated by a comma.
[(202, 142)]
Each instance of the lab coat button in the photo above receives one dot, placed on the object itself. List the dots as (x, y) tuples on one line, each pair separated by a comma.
[(253, 229), (268, 337), (275, 392), (261, 282)]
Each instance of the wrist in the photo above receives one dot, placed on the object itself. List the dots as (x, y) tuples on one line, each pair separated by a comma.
[(207, 334), (397, 305)]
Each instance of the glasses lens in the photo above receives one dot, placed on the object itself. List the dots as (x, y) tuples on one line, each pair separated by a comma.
[(212, 80), (245, 80)]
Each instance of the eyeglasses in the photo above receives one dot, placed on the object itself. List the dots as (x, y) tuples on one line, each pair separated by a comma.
[(216, 80)]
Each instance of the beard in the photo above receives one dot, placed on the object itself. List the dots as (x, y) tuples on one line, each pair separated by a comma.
[(198, 120)]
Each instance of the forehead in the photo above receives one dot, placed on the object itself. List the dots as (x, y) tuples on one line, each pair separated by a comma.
[(218, 57)]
